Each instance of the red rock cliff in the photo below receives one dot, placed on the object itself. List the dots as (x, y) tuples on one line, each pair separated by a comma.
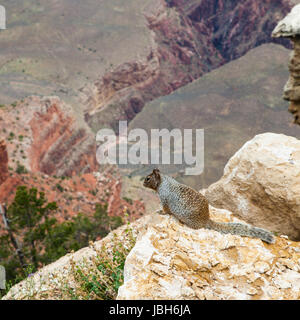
[(44, 135)]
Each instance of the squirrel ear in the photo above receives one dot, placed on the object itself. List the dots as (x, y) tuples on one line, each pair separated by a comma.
[(156, 172)]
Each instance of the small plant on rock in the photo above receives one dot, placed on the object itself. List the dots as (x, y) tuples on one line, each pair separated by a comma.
[(100, 278)]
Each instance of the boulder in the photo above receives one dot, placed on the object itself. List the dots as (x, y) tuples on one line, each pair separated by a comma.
[(261, 184), (172, 261)]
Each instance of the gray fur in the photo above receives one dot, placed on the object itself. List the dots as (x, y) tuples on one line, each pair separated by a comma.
[(191, 207)]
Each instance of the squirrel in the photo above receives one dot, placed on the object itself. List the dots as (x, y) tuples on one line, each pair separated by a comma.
[(192, 209)]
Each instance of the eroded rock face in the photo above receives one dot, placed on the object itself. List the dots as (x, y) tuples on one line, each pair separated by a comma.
[(261, 184), (171, 261), (231, 112), (189, 39), (3, 162), (176, 58), (44, 135), (289, 27), (234, 26)]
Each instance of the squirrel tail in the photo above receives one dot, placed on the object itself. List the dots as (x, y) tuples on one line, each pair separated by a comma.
[(242, 230)]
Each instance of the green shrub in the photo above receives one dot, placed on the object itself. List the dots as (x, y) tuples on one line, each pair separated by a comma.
[(93, 192), (59, 187), (43, 239), (26, 272), (11, 136), (128, 200), (102, 279), (21, 169)]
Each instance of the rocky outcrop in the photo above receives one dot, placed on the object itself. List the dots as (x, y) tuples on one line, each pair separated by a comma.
[(189, 38), (44, 135), (171, 261), (289, 27), (261, 184), (3, 162)]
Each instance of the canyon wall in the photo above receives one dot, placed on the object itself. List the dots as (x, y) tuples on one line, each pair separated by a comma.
[(48, 147), (232, 104), (44, 135), (189, 39), (78, 194)]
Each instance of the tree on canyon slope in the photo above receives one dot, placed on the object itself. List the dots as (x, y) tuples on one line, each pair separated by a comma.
[(32, 236)]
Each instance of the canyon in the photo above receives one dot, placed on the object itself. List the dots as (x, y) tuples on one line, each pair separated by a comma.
[(160, 64), (46, 146), (155, 49), (232, 104), (86, 79), (44, 135), (189, 39), (48, 119), (141, 51)]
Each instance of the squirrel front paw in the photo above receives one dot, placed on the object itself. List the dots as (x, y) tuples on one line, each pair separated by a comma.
[(160, 211)]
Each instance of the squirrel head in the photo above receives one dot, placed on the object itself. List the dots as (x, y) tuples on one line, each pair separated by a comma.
[(153, 180)]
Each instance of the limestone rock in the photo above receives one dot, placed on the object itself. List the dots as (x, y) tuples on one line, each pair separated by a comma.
[(261, 184), (172, 261), (290, 27)]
